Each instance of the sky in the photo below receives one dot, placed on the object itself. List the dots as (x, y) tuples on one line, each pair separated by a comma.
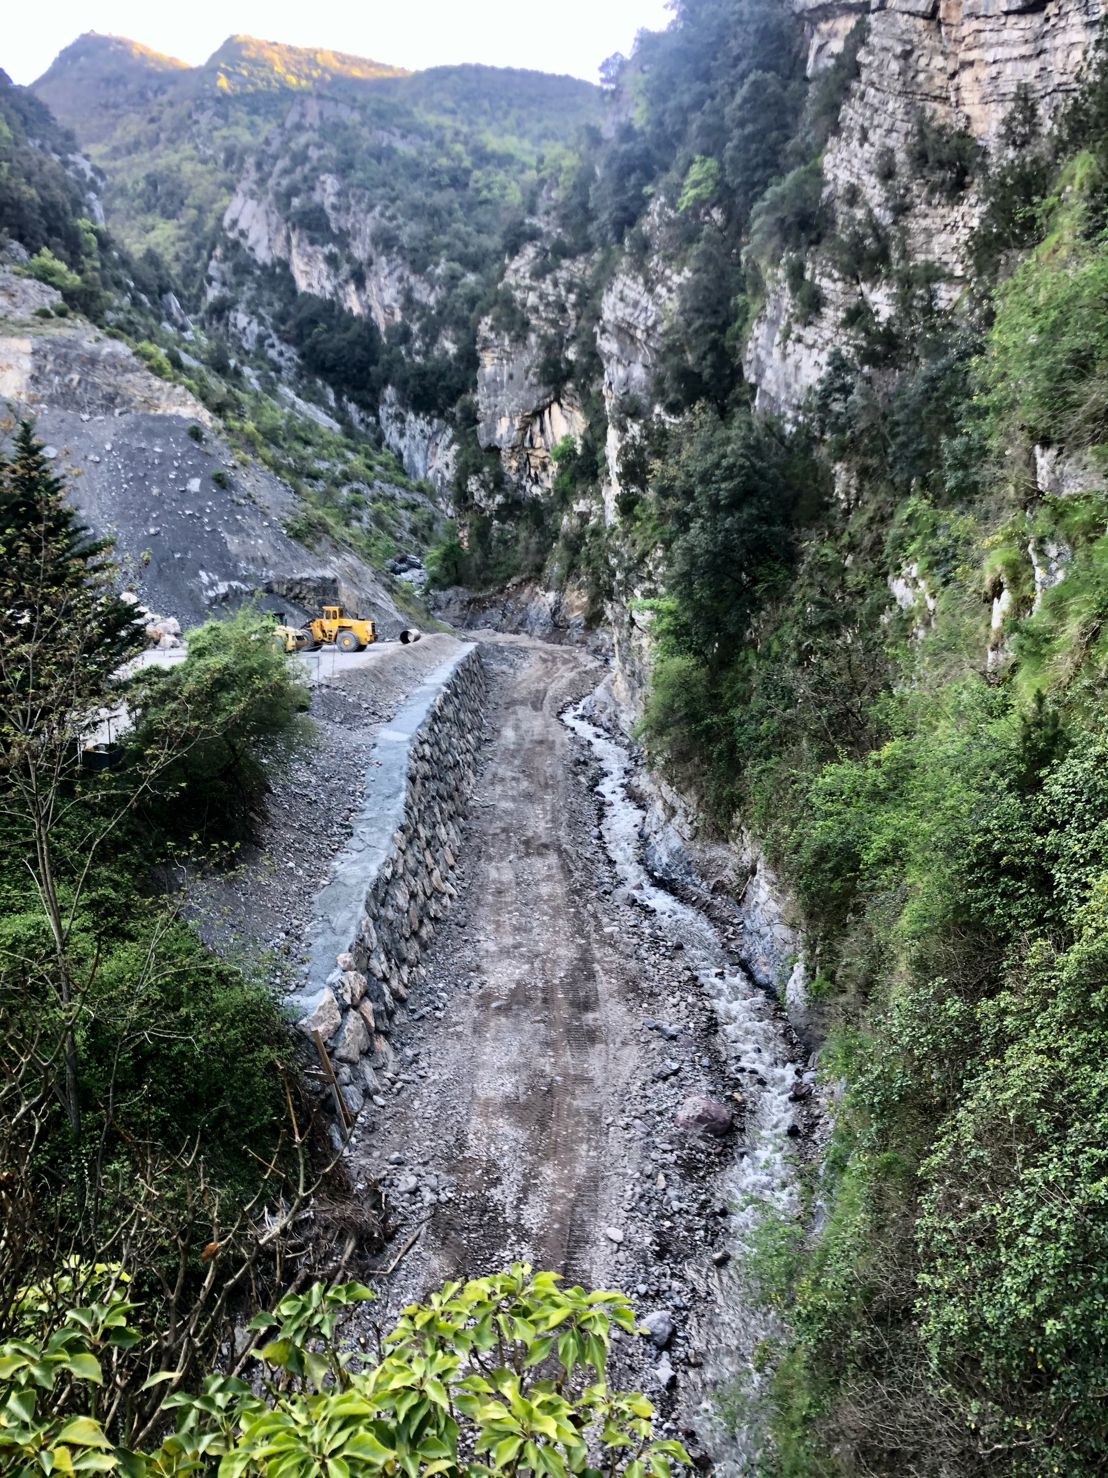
[(574, 36)]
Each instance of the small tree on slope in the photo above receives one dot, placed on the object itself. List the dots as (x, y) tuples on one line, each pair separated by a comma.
[(64, 633)]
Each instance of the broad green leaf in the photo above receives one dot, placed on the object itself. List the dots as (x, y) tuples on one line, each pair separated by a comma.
[(82, 1431), (86, 1368), (506, 1450)]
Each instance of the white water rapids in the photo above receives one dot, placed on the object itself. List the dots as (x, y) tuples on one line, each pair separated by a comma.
[(762, 1175)]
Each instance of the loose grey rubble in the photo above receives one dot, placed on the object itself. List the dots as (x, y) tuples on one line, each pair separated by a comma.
[(660, 1326)]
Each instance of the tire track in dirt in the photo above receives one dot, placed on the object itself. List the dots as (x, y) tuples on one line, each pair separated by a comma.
[(533, 1110), (532, 1056)]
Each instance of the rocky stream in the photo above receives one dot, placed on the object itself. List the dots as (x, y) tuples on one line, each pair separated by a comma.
[(582, 1075)]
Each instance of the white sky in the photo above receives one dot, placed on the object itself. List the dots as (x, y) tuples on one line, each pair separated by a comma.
[(573, 36)]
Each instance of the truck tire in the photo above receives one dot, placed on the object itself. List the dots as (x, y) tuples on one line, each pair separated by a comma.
[(346, 641)]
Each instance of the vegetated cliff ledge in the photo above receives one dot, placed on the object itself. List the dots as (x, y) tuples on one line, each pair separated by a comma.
[(392, 881)]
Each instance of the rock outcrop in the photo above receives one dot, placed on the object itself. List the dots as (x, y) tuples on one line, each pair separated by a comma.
[(526, 399), (959, 65)]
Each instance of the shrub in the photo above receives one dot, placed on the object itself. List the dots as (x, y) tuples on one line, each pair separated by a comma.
[(234, 689), (790, 216), (46, 267), (946, 158), (503, 1374)]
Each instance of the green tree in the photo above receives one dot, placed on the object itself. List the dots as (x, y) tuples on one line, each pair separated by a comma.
[(235, 689), (505, 1374), (64, 633), (731, 493)]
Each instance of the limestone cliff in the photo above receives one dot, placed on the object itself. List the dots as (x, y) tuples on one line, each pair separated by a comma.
[(522, 411), (959, 70), (960, 66)]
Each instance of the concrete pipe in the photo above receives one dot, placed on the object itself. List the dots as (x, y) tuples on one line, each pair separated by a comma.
[(409, 635)]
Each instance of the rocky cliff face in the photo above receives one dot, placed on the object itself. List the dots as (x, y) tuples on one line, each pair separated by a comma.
[(364, 277), (342, 255), (956, 69), (523, 412), (960, 65)]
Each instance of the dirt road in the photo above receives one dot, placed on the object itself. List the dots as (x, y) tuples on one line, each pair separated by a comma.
[(532, 1057), (541, 1066)]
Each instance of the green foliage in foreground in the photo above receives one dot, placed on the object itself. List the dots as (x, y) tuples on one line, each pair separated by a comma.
[(144, 1089), (503, 1374)]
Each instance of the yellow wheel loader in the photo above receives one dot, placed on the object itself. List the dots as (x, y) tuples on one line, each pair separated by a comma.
[(333, 628), (348, 633), (290, 638)]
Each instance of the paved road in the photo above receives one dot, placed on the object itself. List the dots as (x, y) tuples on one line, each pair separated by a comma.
[(327, 665)]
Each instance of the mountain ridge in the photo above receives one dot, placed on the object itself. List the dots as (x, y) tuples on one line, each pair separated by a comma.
[(174, 140)]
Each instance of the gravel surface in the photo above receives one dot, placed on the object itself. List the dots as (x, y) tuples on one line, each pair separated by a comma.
[(257, 911), (545, 1064)]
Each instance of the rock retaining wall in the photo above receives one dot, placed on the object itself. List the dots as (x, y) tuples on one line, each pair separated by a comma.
[(393, 880)]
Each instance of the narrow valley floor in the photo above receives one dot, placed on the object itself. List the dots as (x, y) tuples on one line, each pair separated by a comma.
[(540, 1067)]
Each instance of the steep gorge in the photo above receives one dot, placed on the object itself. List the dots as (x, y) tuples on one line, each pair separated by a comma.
[(787, 386)]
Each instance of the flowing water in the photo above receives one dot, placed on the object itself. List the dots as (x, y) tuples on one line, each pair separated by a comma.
[(761, 1178)]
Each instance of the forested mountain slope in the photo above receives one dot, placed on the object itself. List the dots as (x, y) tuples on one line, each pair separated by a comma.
[(158, 425), (173, 139), (377, 202)]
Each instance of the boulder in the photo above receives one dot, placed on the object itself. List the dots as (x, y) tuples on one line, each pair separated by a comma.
[(350, 987), (353, 1039), (664, 1374), (324, 1017), (705, 1116), (660, 1327)]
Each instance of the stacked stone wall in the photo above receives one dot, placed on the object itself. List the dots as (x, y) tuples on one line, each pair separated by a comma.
[(406, 889)]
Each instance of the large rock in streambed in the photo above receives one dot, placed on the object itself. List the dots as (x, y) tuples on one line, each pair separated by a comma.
[(705, 1116)]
